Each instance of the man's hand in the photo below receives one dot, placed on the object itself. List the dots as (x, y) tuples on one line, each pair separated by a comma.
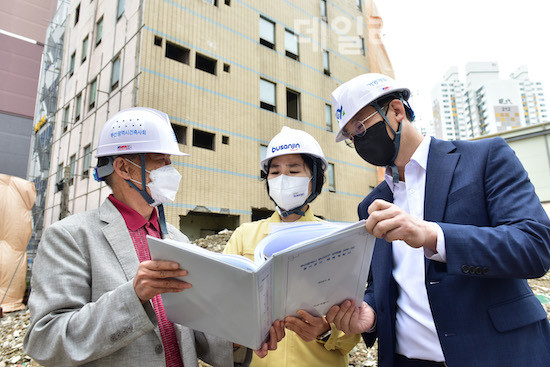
[(153, 277), (307, 327), (388, 221), (276, 334), (351, 319)]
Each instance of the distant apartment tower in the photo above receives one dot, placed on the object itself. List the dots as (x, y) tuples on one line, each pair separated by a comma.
[(485, 104), (450, 107), (230, 74), (534, 106)]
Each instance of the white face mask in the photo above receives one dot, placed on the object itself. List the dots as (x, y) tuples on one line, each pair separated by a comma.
[(164, 183), (289, 192)]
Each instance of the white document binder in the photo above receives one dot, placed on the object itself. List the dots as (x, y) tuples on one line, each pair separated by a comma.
[(238, 300)]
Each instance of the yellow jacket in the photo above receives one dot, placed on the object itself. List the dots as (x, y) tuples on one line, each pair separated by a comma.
[(292, 351)]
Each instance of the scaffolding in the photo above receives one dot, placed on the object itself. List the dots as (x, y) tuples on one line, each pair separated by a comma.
[(44, 118)]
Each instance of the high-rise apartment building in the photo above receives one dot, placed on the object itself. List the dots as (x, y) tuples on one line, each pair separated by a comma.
[(532, 97), (230, 74), (484, 103), (450, 107)]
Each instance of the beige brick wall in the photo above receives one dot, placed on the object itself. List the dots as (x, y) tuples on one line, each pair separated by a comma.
[(227, 104), (228, 35)]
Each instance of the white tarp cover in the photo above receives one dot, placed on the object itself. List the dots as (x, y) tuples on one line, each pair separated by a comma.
[(16, 201)]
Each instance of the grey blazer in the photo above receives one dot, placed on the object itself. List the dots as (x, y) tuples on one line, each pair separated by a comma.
[(84, 310)]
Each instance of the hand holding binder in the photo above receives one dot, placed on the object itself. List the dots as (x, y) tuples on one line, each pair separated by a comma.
[(237, 299)]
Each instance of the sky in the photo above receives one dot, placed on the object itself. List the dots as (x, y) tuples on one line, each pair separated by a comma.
[(424, 38)]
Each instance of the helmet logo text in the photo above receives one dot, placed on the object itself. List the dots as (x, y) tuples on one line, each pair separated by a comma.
[(291, 146), (340, 113), (123, 147), (128, 132), (377, 81)]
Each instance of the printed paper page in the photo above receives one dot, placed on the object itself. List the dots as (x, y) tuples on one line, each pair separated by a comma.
[(323, 272)]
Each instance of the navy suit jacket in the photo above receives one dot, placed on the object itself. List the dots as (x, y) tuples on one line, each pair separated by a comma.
[(496, 236)]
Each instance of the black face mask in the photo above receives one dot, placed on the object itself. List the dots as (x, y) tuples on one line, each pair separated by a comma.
[(375, 146)]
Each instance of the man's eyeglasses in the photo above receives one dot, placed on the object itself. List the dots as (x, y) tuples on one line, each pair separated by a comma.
[(357, 128)]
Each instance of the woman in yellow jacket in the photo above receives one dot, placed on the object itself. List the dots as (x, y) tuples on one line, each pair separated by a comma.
[(295, 166)]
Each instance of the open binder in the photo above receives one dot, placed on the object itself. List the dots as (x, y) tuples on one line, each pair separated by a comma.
[(313, 268)]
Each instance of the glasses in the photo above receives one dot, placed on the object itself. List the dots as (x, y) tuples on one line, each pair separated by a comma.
[(357, 128)]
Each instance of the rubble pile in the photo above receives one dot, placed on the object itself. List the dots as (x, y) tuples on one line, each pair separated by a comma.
[(215, 242), (13, 325)]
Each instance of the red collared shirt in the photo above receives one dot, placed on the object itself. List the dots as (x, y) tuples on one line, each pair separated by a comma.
[(139, 228)]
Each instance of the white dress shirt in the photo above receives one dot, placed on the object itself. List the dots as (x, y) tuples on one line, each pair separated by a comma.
[(415, 329)]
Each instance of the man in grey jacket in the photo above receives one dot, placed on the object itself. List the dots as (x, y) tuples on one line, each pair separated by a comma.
[(95, 296)]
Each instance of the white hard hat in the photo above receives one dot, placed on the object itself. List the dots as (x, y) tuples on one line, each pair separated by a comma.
[(138, 130), (353, 95), (292, 141)]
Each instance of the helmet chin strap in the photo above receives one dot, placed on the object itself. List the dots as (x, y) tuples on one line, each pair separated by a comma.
[(148, 198), (162, 221), (298, 210), (396, 142)]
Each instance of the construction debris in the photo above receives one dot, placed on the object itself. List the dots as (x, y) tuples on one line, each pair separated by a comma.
[(215, 242)]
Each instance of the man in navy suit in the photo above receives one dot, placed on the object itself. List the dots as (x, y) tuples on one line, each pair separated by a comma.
[(459, 229)]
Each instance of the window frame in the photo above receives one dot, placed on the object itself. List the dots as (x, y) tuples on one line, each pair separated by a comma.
[(289, 34), (78, 107), (115, 84), (99, 31), (76, 14), (328, 117), (264, 41), (65, 119), (331, 175), (86, 160), (180, 131), (72, 63), (326, 62), (324, 10), (59, 176), (212, 64), (298, 104), (200, 134), (264, 103), (84, 49), (92, 96), (121, 7), (72, 169), (178, 53)]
